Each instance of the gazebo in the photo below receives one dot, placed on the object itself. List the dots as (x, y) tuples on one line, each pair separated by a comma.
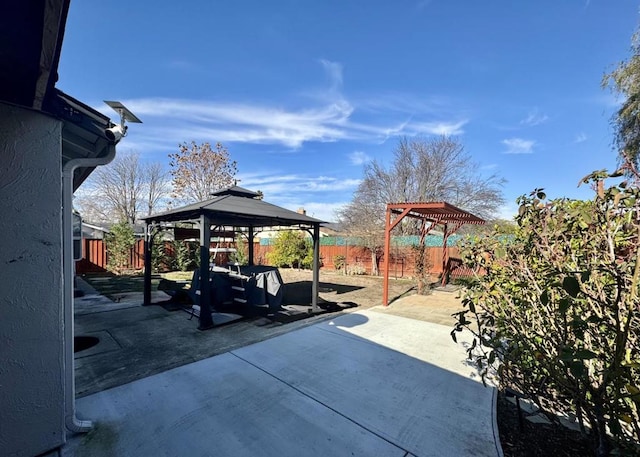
[(232, 207), (431, 214)]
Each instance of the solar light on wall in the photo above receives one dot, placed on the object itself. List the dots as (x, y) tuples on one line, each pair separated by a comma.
[(116, 132)]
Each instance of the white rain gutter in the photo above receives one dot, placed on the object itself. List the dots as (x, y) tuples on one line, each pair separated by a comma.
[(72, 422)]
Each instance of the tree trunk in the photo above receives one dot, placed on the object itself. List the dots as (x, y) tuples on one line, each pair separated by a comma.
[(374, 264)]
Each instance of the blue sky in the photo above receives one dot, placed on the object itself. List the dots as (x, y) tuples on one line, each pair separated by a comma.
[(303, 93)]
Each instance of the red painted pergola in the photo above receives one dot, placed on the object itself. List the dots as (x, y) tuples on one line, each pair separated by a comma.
[(432, 214)]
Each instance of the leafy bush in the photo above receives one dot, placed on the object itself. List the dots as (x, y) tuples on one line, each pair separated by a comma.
[(187, 255), (119, 243), (291, 249), (241, 256), (339, 262), (162, 257), (357, 269), (557, 310)]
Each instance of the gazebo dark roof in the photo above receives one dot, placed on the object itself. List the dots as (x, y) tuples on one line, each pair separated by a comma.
[(237, 191), (236, 206), (232, 207)]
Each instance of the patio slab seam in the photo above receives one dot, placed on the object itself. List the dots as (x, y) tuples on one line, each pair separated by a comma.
[(310, 397)]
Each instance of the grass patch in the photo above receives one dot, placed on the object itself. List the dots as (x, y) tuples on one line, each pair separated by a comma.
[(178, 275), (112, 286)]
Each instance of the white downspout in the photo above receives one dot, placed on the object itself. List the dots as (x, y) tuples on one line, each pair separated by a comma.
[(71, 421)]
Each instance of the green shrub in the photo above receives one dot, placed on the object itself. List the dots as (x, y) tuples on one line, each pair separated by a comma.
[(119, 242), (163, 257), (187, 255), (557, 312), (339, 262), (291, 249), (241, 256)]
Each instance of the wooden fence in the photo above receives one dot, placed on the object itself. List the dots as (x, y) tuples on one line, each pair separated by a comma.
[(356, 259), (95, 257)]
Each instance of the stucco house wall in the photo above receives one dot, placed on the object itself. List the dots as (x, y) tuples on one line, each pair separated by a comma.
[(31, 305)]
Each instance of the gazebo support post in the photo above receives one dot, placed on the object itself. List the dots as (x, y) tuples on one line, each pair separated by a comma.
[(206, 321), (250, 241), (148, 246), (316, 268)]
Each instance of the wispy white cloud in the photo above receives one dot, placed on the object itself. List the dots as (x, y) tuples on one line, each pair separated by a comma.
[(438, 128), (293, 191), (518, 146), (408, 105), (295, 184), (334, 73), (534, 118), (171, 121), (174, 120), (328, 116), (581, 138), (323, 211), (359, 158)]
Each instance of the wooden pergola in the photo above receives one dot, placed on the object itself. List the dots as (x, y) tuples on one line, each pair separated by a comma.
[(431, 214)]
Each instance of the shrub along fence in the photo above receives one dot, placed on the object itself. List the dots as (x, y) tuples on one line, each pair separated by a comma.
[(337, 253), (94, 257)]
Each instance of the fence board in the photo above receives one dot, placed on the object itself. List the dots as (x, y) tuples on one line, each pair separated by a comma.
[(401, 265)]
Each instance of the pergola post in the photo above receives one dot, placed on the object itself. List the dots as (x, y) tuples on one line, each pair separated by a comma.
[(387, 242), (316, 268), (148, 246), (250, 241), (445, 252), (206, 321)]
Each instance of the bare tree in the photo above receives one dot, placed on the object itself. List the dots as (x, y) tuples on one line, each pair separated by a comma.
[(124, 190), (120, 185), (157, 186), (436, 169), (364, 221), (198, 170)]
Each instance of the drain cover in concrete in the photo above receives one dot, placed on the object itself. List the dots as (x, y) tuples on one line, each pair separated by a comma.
[(106, 344)]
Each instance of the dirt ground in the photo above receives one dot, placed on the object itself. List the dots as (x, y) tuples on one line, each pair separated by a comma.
[(366, 292)]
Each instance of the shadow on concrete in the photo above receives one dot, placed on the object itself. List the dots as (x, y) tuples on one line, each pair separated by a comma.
[(300, 291), (359, 384), (151, 339)]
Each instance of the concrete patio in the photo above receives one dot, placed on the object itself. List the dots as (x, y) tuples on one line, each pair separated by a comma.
[(366, 383)]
